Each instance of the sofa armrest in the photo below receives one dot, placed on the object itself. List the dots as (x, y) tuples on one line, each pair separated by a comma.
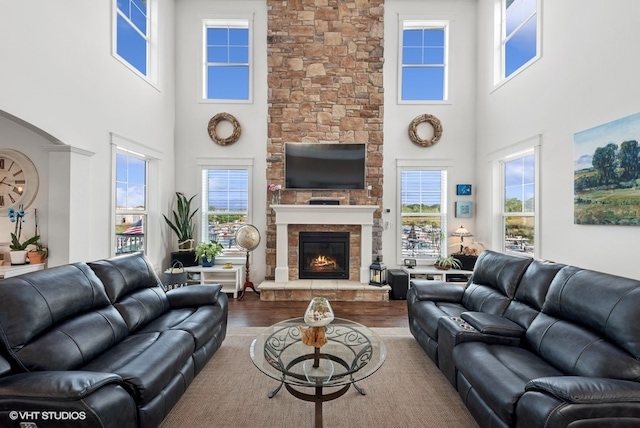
[(587, 390), (55, 385), (193, 296), (493, 324), (437, 290)]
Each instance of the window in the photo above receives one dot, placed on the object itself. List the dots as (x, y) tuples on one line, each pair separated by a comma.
[(225, 194), (131, 203), (423, 213), (519, 34), (423, 75), (519, 204), (132, 34), (227, 53)]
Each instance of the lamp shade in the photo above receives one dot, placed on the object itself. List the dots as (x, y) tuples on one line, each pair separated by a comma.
[(461, 231)]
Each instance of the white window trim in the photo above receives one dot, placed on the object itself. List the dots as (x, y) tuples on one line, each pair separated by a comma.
[(499, 78), (123, 144), (221, 19), (152, 42), (426, 164), (425, 23), (226, 163), (531, 145)]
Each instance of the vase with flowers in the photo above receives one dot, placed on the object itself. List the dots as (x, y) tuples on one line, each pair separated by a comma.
[(18, 249), (275, 193)]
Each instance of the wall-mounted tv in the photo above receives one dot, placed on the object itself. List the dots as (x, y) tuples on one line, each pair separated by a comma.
[(325, 166)]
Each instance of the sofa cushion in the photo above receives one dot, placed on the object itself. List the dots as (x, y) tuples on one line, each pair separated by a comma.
[(146, 362), (500, 373), (200, 322), (577, 350), (64, 308), (606, 304), (494, 281), (133, 287)]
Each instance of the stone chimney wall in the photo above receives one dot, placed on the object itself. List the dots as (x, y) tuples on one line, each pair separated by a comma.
[(325, 61)]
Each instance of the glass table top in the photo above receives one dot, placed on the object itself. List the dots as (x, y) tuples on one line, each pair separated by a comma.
[(352, 353)]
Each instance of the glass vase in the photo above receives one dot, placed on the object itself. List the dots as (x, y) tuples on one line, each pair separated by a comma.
[(319, 312)]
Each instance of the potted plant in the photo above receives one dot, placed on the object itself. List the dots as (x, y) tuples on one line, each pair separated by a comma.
[(182, 223), (207, 252), (446, 263), (38, 255), (18, 251)]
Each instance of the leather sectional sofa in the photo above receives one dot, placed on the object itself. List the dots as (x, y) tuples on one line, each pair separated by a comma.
[(101, 344), (530, 343)]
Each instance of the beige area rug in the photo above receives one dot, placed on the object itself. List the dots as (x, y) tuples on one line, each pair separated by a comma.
[(408, 391)]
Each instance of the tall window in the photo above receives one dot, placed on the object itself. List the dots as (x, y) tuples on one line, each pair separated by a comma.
[(131, 203), (519, 204), (423, 213), (227, 53), (423, 75), (519, 34), (132, 33), (225, 195)]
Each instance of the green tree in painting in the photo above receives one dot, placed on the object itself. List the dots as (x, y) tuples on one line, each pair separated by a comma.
[(630, 159), (604, 161)]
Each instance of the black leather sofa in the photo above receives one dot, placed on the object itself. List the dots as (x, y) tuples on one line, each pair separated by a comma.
[(101, 344), (529, 343)]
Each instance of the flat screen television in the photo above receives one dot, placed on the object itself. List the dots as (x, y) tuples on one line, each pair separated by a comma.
[(324, 166)]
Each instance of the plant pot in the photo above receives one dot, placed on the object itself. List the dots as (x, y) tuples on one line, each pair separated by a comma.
[(440, 267), (35, 257), (186, 245), (18, 257), (208, 263)]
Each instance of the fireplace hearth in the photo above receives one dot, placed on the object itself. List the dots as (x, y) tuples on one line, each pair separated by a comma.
[(323, 255)]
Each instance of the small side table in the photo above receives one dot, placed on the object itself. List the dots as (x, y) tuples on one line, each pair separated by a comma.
[(433, 272), (229, 278)]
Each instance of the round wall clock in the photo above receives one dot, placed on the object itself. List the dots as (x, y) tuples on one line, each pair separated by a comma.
[(18, 180)]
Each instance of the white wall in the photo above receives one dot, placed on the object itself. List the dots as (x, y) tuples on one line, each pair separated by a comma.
[(456, 148), (192, 143), (587, 76), (59, 76)]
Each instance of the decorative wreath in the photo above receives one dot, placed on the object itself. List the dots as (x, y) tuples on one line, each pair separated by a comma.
[(433, 121), (213, 123)]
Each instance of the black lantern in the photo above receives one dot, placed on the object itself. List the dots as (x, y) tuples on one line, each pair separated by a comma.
[(377, 273)]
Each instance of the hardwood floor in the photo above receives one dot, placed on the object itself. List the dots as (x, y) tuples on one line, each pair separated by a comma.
[(252, 312)]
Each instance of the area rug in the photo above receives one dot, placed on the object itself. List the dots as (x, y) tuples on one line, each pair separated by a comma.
[(408, 391)]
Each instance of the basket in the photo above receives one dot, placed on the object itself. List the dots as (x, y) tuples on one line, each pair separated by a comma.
[(175, 276)]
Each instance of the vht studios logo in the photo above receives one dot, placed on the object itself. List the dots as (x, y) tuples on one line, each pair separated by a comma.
[(28, 418)]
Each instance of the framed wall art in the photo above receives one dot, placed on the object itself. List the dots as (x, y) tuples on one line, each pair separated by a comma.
[(463, 189), (464, 209)]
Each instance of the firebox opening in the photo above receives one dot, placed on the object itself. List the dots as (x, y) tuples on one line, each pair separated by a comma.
[(323, 255)]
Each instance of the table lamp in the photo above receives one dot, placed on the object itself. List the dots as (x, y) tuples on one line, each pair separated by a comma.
[(461, 232)]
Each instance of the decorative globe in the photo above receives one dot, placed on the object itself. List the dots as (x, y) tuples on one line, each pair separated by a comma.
[(248, 237)]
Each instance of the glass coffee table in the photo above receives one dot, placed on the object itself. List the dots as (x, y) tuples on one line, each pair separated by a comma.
[(352, 353)]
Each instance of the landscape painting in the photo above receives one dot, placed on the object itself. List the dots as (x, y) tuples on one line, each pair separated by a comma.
[(607, 173)]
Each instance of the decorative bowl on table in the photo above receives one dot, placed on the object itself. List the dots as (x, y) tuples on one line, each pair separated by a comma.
[(318, 313)]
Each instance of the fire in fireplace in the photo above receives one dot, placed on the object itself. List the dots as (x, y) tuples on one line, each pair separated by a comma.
[(323, 255)]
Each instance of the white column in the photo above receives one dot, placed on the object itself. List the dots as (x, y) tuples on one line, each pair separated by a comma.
[(282, 256)]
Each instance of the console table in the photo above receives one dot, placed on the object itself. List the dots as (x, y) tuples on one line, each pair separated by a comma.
[(437, 274), (14, 270), (229, 278)]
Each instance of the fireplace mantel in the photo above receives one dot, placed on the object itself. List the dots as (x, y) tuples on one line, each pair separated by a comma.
[(361, 215)]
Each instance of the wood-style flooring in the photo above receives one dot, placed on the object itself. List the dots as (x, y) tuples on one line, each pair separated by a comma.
[(252, 312)]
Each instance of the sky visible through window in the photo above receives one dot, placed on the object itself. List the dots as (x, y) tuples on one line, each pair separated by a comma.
[(131, 38), (227, 57), (520, 31), (130, 182), (520, 184), (423, 64)]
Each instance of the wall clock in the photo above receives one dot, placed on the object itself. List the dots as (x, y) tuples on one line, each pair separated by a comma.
[(18, 180)]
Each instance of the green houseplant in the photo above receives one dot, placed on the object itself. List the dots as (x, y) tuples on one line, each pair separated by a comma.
[(445, 263), (182, 223), (207, 251)]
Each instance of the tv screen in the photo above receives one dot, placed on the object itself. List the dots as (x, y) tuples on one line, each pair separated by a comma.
[(324, 166)]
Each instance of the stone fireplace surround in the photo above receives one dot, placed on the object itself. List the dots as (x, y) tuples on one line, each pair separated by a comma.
[(340, 216)]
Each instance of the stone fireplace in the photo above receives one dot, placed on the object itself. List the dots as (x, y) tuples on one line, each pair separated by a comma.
[(353, 221)]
